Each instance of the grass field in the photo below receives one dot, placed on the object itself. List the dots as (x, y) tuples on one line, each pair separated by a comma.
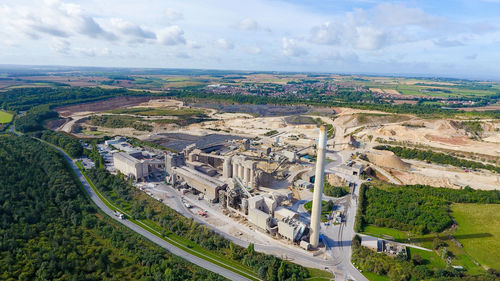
[(319, 275), (374, 277), (5, 117), (427, 88), (434, 261), (384, 232), (479, 231)]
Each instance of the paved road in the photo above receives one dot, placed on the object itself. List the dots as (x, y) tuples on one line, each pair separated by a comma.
[(339, 237), (171, 248)]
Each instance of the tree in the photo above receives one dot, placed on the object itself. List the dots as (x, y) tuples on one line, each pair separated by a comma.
[(282, 271), (271, 271), (417, 259), (356, 241), (251, 249)]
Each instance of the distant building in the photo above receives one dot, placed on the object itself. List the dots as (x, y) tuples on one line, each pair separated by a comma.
[(130, 166), (303, 184), (351, 168), (290, 155), (372, 243)]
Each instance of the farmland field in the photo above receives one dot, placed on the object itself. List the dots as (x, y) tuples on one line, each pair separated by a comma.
[(5, 117), (479, 224)]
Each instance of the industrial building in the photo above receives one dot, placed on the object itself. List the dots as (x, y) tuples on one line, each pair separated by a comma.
[(235, 174), (137, 164), (130, 166), (291, 229), (351, 168)]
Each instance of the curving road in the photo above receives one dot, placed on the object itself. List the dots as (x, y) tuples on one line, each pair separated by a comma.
[(155, 239)]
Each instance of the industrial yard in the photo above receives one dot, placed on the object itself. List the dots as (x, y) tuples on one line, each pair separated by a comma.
[(249, 177)]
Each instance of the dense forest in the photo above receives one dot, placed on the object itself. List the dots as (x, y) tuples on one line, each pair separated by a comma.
[(23, 99), (33, 119), (436, 157), (119, 190), (417, 208), (71, 145), (49, 230), (405, 268)]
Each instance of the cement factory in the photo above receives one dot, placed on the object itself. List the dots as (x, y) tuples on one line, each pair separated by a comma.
[(245, 178)]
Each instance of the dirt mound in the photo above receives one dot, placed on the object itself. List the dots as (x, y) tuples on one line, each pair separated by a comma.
[(369, 119), (387, 159), (447, 127), (413, 178), (335, 180)]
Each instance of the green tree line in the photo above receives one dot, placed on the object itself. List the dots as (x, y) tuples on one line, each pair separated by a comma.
[(50, 230)]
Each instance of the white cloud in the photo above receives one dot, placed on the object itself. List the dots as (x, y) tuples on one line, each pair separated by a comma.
[(326, 33), (53, 18), (173, 15), (251, 25), (385, 24), (341, 57), (193, 44), (369, 38), (254, 50), (223, 43), (444, 42), (93, 52), (61, 46), (290, 48), (130, 29), (171, 35), (361, 37), (182, 55), (392, 14)]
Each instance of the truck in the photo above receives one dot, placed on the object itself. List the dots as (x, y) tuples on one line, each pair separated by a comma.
[(119, 215)]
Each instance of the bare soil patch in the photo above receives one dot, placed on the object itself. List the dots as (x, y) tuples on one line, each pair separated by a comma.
[(483, 108), (405, 102), (113, 103), (449, 140)]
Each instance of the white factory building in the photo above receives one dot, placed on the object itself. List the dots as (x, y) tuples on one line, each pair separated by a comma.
[(133, 164)]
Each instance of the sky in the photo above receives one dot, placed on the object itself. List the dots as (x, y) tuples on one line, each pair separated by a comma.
[(441, 38)]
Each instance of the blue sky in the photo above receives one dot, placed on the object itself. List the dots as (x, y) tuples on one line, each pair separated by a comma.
[(444, 38)]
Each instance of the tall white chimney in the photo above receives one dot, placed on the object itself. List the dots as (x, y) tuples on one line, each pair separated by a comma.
[(318, 188)]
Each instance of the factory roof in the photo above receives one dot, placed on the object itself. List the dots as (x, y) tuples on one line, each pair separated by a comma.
[(284, 212), (126, 157), (192, 173)]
